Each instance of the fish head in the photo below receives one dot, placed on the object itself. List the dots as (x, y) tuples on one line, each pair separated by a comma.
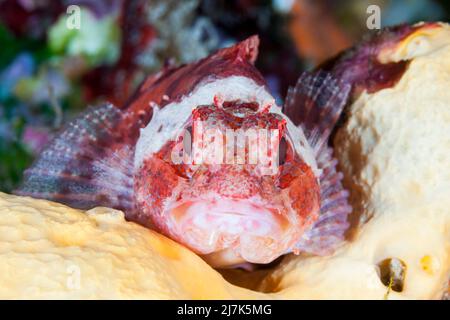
[(231, 185)]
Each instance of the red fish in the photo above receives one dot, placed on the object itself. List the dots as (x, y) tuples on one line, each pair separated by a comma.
[(215, 201)]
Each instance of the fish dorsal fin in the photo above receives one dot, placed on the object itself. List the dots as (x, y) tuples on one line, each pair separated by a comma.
[(315, 104), (86, 165)]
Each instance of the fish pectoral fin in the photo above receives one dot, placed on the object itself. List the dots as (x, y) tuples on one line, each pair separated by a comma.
[(86, 165), (315, 104), (330, 229)]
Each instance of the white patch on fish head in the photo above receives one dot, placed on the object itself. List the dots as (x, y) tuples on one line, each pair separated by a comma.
[(167, 122)]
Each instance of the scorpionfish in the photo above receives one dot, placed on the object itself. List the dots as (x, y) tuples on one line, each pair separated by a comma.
[(203, 154)]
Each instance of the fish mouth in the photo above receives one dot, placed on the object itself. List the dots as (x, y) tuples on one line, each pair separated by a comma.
[(246, 230)]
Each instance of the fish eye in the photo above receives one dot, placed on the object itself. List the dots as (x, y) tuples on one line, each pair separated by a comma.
[(282, 151), (188, 140)]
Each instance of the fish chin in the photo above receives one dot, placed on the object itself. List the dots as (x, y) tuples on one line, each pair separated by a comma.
[(229, 231)]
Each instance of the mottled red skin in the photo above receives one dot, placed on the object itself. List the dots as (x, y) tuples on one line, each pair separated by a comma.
[(160, 182), (156, 183)]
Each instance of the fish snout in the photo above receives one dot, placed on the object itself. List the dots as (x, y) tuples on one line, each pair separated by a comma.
[(228, 231)]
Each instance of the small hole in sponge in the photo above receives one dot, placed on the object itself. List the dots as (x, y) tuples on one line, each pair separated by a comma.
[(392, 273)]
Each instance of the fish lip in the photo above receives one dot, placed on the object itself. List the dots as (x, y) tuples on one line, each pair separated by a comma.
[(235, 213), (214, 200), (214, 203), (207, 231)]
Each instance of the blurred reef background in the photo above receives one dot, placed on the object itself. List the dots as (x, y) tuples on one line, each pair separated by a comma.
[(49, 73)]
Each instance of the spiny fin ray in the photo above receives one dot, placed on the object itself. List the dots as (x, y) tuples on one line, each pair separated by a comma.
[(86, 165)]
